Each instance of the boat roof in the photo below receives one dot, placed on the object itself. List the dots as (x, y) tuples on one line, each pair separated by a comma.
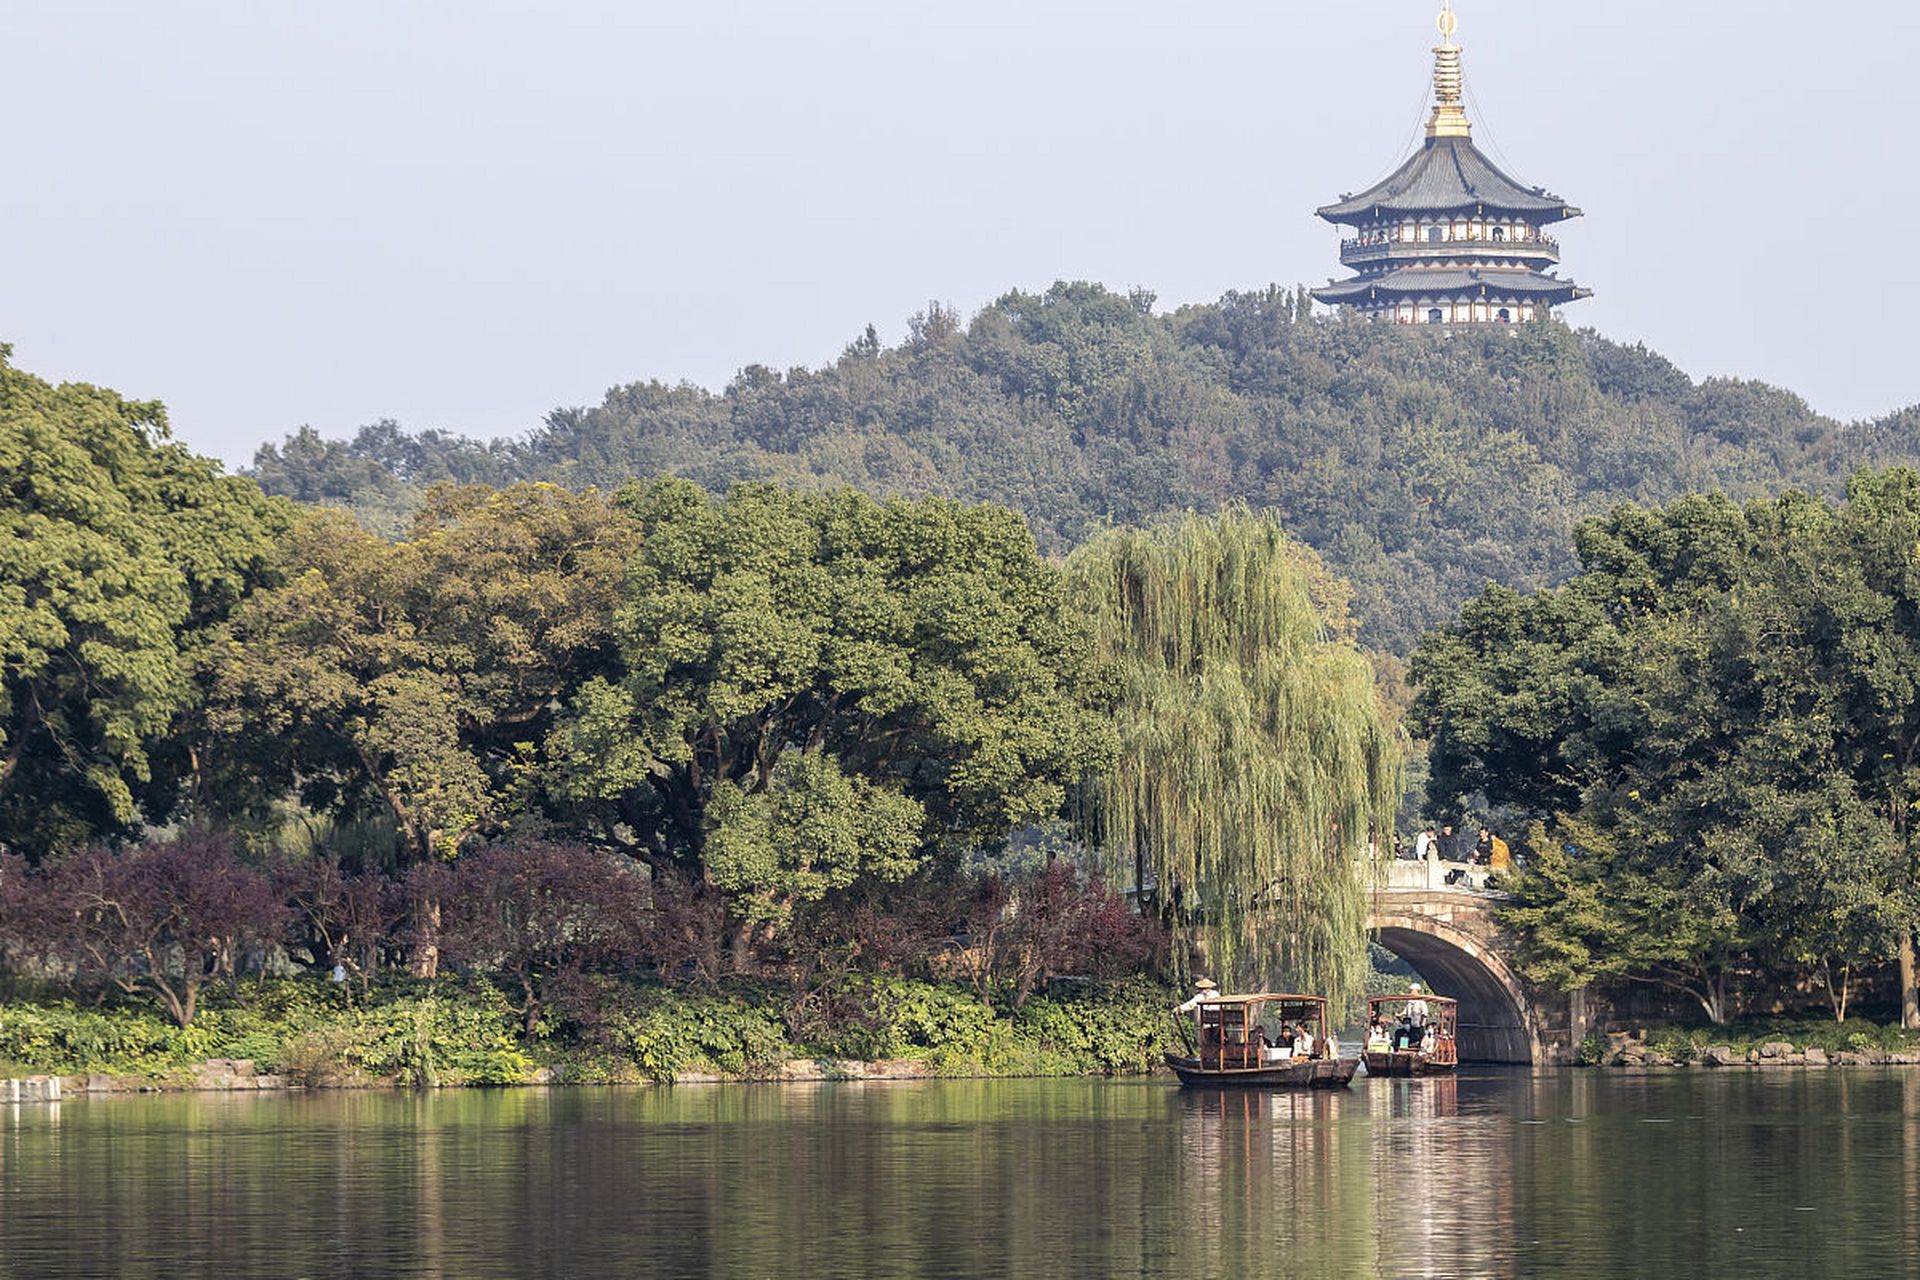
[(1262, 997), (1417, 995)]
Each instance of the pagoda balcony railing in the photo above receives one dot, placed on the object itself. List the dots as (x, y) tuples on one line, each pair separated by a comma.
[(1366, 248)]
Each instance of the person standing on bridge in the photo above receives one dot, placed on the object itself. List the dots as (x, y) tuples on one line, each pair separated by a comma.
[(1423, 845)]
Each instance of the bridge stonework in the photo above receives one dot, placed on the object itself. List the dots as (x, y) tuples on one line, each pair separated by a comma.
[(1451, 936)]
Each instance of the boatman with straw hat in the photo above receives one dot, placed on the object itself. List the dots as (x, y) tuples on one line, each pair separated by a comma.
[(1203, 990)]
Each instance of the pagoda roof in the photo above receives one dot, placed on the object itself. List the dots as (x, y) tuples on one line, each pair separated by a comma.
[(1429, 282), (1448, 175)]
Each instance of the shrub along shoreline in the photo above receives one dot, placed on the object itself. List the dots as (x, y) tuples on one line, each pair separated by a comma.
[(466, 1032)]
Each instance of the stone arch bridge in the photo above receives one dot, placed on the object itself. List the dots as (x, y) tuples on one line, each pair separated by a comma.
[(1450, 935)]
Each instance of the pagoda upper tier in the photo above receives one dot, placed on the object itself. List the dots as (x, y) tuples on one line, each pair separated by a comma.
[(1448, 237)]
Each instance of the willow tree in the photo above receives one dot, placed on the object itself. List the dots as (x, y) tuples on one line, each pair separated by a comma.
[(1256, 761)]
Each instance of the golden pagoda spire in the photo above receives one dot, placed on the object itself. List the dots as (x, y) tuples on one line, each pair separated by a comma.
[(1449, 117)]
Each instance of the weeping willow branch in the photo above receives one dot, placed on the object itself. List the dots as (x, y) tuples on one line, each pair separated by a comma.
[(1256, 760)]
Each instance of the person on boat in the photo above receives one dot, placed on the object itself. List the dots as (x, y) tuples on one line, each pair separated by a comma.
[(1302, 1042), (1378, 1038), (1203, 990), (1416, 1007)]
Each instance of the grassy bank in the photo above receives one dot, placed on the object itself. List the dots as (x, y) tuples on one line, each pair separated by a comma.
[(464, 1032)]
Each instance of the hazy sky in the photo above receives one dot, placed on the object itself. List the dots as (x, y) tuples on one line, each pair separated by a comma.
[(464, 214)]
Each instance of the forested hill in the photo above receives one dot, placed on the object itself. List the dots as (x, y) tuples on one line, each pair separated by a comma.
[(1422, 463)]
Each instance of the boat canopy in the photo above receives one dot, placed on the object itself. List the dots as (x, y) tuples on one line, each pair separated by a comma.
[(1409, 999)]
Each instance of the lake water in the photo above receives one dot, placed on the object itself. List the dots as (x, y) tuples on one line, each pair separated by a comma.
[(1791, 1174)]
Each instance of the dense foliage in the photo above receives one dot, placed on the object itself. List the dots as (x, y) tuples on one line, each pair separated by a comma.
[(465, 1032), (417, 677), (1715, 729), (813, 690), (1421, 464), (119, 552)]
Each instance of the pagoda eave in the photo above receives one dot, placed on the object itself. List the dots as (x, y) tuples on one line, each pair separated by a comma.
[(1450, 285), (1389, 211), (1448, 176)]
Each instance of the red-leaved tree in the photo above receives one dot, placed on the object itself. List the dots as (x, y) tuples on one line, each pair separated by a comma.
[(348, 920), (1026, 929), (544, 915), (159, 920)]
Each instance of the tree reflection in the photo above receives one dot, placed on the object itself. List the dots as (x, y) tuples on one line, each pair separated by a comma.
[(1490, 1174)]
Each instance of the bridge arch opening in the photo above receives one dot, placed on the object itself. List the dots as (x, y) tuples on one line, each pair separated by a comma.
[(1493, 1020)]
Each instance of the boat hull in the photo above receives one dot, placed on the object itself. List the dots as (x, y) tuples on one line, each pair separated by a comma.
[(1405, 1062), (1318, 1073)]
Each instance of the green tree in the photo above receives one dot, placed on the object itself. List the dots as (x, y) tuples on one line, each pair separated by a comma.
[(418, 678), (811, 831), (1698, 721), (1256, 761), (119, 550), (788, 656)]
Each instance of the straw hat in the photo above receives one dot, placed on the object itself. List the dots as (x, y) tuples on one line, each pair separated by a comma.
[(1206, 984)]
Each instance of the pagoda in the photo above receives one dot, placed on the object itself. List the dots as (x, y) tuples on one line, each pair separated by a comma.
[(1448, 238)]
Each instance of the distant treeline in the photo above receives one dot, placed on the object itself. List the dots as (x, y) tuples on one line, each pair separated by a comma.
[(1421, 464)]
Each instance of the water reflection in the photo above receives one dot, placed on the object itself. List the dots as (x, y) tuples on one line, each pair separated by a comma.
[(1485, 1174)]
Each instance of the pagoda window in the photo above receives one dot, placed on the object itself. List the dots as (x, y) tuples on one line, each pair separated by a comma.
[(1435, 233), (1499, 233), (1436, 316)]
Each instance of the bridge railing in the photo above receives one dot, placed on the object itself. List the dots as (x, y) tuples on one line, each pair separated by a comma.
[(1434, 874)]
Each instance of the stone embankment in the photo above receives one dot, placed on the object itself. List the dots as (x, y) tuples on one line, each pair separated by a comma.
[(229, 1075), (217, 1075), (1630, 1049)]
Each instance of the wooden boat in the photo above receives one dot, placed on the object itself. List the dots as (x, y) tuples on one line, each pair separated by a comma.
[(1433, 1019), (1238, 1040)]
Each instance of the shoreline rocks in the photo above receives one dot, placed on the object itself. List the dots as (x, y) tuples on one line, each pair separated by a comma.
[(1632, 1052)]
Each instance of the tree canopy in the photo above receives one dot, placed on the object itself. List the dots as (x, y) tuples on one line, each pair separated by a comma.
[(419, 676), (817, 686), (119, 550)]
